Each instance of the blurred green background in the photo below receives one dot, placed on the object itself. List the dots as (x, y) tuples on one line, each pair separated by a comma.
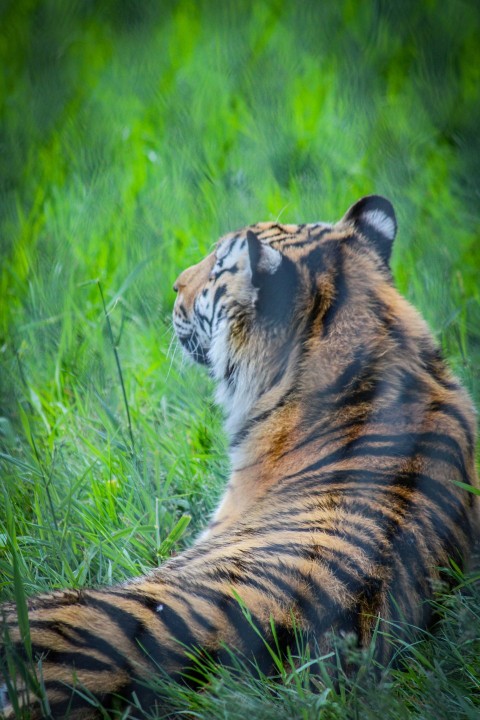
[(132, 135)]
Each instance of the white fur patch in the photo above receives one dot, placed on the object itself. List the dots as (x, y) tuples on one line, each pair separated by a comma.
[(236, 399), (381, 222), (270, 259)]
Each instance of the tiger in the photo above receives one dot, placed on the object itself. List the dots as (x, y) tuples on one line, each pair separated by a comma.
[(351, 447)]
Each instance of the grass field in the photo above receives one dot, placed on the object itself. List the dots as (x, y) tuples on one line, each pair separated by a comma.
[(132, 135)]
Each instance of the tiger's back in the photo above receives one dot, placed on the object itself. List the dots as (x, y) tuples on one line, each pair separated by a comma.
[(348, 438)]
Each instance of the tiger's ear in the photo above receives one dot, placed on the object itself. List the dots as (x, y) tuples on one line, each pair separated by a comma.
[(374, 217), (264, 260), (275, 278)]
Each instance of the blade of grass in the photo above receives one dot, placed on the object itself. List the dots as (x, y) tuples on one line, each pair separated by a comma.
[(119, 369)]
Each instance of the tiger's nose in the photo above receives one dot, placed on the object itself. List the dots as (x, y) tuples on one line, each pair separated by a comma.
[(184, 279), (191, 279), (179, 283)]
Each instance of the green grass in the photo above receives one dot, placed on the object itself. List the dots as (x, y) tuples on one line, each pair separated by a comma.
[(132, 135)]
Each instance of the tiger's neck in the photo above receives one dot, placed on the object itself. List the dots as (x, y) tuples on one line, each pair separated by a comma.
[(250, 404), (249, 395), (294, 423)]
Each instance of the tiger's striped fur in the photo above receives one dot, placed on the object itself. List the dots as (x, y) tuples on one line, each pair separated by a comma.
[(347, 436)]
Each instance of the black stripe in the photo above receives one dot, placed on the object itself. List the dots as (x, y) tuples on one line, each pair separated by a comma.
[(199, 618), (319, 483), (254, 581), (217, 598), (281, 580), (319, 613), (257, 419), (313, 236), (452, 411), (242, 627), (432, 359), (456, 459), (75, 659), (323, 255), (357, 370), (341, 294), (323, 429), (403, 591), (72, 700), (405, 445), (136, 631), (231, 244), (406, 550), (233, 270), (446, 536), (177, 626), (276, 226), (153, 603), (203, 319), (391, 322), (351, 578), (85, 638), (429, 487), (434, 490), (312, 315), (412, 389), (315, 258), (219, 293)]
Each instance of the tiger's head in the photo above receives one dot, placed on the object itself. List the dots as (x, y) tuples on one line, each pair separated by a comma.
[(251, 308)]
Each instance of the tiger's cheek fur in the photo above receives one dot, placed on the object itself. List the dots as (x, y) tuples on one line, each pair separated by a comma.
[(192, 287)]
